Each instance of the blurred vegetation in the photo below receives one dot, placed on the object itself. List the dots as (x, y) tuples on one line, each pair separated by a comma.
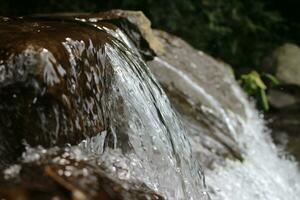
[(254, 86)]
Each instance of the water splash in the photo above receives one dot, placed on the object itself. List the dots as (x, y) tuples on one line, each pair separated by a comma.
[(144, 137)]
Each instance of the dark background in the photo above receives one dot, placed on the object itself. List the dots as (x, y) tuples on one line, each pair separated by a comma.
[(240, 32)]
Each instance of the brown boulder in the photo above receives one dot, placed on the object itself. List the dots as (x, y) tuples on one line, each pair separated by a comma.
[(49, 83)]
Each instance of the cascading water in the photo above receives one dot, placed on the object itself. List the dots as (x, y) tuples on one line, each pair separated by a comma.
[(145, 143), (144, 137), (264, 172)]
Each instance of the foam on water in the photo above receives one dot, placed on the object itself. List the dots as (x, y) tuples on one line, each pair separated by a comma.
[(265, 174)]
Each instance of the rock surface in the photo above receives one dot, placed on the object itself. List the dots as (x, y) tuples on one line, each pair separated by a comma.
[(284, 63), (204, 92), (280, 99), (284, 119), (45, 96), (63, 174), (285, 125), (134, 23)]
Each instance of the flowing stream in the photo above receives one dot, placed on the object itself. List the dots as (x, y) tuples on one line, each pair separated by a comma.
[(265, 173), (146, 141)]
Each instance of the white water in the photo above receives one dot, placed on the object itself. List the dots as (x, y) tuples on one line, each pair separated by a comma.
[(263, 175)]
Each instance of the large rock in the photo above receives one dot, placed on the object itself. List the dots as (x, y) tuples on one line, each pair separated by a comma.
[(52, 83), (284, 64), (49, 84)]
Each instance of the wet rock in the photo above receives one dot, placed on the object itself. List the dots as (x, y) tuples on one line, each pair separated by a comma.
[(204, 92), (134, 23), (49, 83), (60, 174)]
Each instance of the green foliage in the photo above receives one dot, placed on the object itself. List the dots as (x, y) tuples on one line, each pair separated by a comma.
[(254, 86), (241, 30)]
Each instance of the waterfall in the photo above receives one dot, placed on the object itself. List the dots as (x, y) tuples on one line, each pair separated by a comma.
[(152, 126), (144, 140), (147, 143)]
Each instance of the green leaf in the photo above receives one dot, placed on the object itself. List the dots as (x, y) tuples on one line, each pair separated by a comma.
[(272, 78), (264, 100), (255, 87)]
